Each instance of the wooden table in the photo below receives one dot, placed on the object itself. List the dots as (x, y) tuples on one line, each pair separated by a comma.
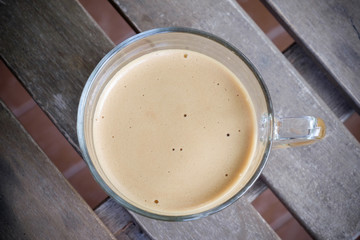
[(52, 47)]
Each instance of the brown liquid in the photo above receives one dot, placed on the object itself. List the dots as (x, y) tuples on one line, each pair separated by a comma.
[(174, 131)]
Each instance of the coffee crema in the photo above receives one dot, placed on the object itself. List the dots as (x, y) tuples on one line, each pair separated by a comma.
[(174, 131)]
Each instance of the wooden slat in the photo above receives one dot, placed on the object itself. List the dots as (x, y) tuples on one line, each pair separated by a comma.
[(52, 47), (318, 183), (241, 221), (51, 57), (319, 81), (120, 222), (330, 31), (36, 200)]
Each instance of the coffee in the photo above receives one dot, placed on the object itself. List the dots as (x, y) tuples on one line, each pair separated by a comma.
[(174, 131)]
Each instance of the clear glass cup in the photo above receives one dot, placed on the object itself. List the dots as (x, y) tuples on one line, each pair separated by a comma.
[(273, 132)]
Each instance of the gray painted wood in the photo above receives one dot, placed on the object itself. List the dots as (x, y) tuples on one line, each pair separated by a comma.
[(318, 183), (50, 57), (36, 200), (319, 81), (52, 48), (330, 31)]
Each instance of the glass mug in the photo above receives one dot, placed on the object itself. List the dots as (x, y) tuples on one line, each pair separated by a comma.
[(271, 132)]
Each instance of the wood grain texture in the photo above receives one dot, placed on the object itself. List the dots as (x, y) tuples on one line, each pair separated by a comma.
[(49, 56), (52, 47), (36, 200), (330, 32), (240, 221), (319, 81), (119, 221), (318, 183)]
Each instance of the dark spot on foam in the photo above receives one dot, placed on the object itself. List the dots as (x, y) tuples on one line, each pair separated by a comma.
[(156, 201), (185, 55), (228, 135), (226, 175)]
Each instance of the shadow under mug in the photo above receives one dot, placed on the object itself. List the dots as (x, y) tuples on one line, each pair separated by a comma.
[(272, 132)]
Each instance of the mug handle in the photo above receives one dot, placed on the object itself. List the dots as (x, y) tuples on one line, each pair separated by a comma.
[(292, 132)]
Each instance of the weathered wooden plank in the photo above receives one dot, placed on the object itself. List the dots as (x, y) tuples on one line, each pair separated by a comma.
[(36, 200), (319, 81), (55, 69), (241, 221), (119, 221), (245, 223), (330, 31), (59, 48), (319, 183)]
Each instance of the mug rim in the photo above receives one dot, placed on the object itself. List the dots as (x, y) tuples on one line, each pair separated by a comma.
[(81, 115)]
